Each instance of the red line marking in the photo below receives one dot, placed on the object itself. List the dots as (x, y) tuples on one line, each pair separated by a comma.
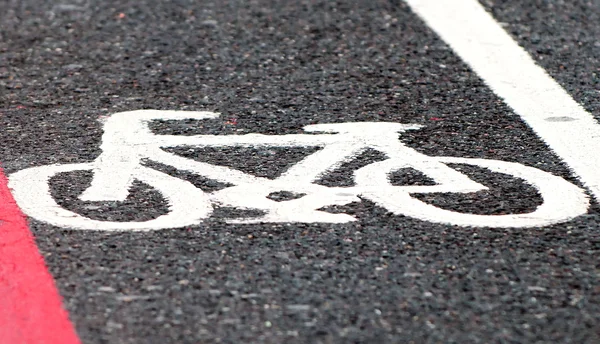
[(30, 306)]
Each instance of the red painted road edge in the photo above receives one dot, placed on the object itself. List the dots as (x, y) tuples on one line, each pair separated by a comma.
[(31, 309)]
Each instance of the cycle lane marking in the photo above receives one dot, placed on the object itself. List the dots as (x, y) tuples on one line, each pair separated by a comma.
[(127, 141), (564, 125), (30, 306)]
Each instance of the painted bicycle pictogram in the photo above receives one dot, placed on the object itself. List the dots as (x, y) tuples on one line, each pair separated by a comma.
[(128, 141)]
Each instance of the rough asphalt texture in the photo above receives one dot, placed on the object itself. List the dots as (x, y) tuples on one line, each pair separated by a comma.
[(273, 66)]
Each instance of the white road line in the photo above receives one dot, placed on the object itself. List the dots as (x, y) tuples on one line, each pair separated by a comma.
[(571, 132)]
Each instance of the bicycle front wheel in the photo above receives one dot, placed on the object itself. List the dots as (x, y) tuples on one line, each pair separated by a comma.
[(31, 189)]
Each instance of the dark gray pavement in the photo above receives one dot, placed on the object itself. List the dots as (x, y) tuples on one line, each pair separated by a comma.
[(272, 67)]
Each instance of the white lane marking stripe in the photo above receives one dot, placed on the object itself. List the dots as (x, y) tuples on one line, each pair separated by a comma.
[(542, 103)]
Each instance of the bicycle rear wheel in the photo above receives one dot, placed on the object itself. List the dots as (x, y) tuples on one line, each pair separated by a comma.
[(562, 201)]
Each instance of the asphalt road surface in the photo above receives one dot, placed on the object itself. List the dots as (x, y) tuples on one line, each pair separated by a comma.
[(273, 67)]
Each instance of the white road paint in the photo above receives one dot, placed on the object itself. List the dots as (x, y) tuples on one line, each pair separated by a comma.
[(127, 141), (571, 132)]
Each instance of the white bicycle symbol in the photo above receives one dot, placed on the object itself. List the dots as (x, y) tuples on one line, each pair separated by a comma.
[(127, 141)]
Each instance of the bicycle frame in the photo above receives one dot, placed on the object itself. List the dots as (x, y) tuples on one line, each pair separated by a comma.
[(339, 143)]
